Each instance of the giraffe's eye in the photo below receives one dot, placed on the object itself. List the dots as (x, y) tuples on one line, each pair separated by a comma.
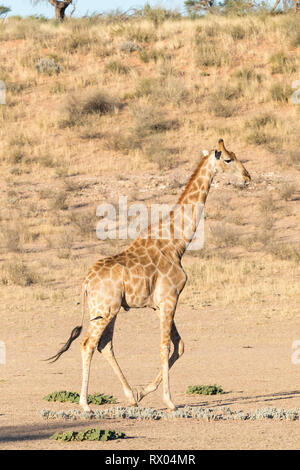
[(227, 161)]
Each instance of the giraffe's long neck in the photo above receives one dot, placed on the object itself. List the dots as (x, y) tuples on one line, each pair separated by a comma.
[(191, 203)]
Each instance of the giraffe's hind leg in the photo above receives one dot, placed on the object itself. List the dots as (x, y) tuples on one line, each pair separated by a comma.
[(105, 346), (88, 347), (177, 352)]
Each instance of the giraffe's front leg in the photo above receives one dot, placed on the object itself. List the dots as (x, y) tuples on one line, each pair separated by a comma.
[(167, 310), (177, 353)]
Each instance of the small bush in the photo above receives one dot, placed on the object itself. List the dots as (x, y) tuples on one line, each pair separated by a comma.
[(96, 102), (280, 92), (293, 158), (146, 87), (158, 15), (210, 54), (285, 252), (48, 67), (295, 37), (282, 63), (130, 46), (73, 397), (19, 274), (163, 156), (151, 121), (117, 67), (204, 390), (76, 42), (140, 34), (267, 204), (261, 121), (237, 32), (60, 202), (222, 109), (89, 434), (84, 222), (16, 156), (248, 75), (11, 238), (258, 137), (146, 56), (287, 190), (225, 236), (123, 142)]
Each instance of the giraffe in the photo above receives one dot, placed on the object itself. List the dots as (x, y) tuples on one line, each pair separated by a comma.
[(147, 274)]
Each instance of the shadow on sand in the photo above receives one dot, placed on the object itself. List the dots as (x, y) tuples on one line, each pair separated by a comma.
[(250, 399)]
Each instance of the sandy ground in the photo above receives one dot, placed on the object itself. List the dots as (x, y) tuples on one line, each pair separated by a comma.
[(250, 357)]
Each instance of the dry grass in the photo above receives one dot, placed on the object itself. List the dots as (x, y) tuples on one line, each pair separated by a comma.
[(141, 99), (242, 281)]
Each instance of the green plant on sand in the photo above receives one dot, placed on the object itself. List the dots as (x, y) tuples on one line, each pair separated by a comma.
[(89, 434), (73, 397), (204, 390)]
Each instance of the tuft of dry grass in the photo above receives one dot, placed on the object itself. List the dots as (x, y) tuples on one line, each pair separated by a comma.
[(287, 191), (94, 102), (18, 273)]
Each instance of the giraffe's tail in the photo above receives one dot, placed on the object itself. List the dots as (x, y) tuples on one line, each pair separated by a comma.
[(75, 332)]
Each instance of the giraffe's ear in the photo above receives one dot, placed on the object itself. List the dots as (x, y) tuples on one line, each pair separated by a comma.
[(205, 153), (217, 154)]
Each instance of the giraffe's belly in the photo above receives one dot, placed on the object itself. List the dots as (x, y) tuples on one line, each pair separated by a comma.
[(137, 296)]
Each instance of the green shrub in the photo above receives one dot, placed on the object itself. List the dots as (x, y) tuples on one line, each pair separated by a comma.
[(204, 390), (89, 434), (73, 397)]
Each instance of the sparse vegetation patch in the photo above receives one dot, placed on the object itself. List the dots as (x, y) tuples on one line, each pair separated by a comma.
[(204, 390), (73, 397), (89, 434)]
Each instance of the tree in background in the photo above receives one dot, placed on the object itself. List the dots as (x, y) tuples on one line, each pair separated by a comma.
[(239, 7), (287, 4), (194, 7), (4, 10), (60, 7), (235, 7)]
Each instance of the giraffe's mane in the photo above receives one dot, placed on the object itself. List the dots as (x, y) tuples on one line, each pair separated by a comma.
[(193, 177)]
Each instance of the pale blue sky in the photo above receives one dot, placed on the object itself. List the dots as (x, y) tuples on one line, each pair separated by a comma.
[(25, 7)]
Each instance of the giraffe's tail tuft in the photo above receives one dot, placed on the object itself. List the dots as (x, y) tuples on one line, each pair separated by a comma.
[(75, 333)]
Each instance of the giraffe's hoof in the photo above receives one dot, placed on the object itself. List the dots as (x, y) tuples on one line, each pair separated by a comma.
[(86, 408), (138, 394), (131, 399), (132, 403), (170, 406)]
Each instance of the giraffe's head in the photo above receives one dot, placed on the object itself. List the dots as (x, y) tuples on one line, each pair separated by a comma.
[(227, 161)]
